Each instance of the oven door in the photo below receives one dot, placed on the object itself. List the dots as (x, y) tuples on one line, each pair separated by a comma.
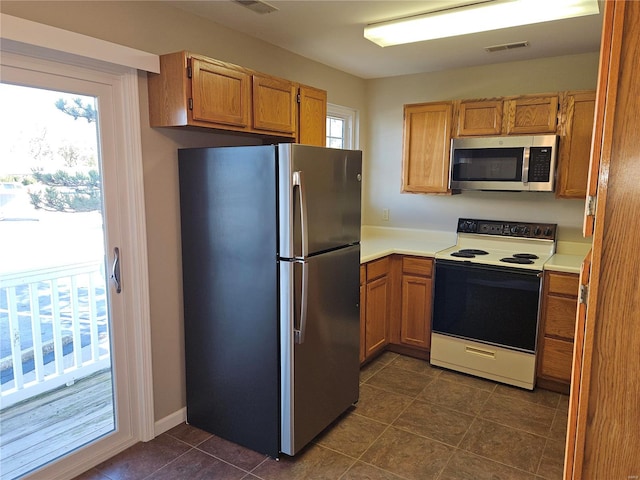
[(488, 304)]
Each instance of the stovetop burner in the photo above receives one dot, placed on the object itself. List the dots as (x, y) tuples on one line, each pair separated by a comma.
[(469, 253), (518, 260), (463, 254), (530, 256), (474, 251)]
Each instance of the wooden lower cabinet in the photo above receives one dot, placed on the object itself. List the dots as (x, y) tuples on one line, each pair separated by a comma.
[(417, 291), (395, 306), (558, 318), (375, 307)]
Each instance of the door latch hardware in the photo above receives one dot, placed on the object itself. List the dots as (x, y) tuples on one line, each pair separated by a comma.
[(583, 294)]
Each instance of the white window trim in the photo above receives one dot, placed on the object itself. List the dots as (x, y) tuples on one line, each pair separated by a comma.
[(351, 118), (44, 41)]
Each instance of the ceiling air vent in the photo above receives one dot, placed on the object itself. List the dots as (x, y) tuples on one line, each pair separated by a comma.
[(506, 46), (257, 6)]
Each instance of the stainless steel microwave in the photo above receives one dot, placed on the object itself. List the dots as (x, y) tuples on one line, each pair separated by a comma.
[(518, 163)]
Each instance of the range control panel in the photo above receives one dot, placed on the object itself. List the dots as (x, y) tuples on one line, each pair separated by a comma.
[(543, 231)]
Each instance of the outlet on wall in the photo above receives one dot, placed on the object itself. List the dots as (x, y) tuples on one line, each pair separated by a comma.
[(385, 214)]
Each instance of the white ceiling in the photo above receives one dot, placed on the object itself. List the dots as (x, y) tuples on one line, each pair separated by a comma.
[(331, 32)]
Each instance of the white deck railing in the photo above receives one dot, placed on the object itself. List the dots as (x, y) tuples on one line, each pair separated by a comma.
[(55, 329)]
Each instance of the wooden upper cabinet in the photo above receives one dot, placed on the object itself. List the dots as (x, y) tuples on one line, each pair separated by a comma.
[(530, 114), (220, 94), (194, 90), (426, 144), (274, 104), (479, 118), (312, 116), (575, 131)]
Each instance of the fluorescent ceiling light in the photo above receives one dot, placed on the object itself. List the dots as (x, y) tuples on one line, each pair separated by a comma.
[(479, 17)]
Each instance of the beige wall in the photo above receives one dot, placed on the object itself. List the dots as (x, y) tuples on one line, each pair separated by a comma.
[(382, 178), (156, 28)]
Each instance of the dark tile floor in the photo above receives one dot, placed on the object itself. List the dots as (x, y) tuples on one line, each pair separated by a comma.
[(413, 421)]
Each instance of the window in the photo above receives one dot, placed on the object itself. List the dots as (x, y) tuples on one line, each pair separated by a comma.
[(341, 127)]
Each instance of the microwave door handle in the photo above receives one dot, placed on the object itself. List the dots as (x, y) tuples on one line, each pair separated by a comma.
[(525, 166)]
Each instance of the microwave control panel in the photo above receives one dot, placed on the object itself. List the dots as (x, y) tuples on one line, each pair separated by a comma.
[(540, 164), (543, 231)]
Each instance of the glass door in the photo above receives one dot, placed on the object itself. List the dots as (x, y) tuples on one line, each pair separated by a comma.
[(63, 382), (57, 389)]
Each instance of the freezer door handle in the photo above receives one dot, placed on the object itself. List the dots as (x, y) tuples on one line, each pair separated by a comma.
[(298, 333), (298, 181)]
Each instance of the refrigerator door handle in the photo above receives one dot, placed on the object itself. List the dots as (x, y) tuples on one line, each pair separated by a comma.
[(298, 180), (298, 333)]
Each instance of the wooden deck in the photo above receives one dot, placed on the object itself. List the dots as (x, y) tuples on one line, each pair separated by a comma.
[(41, 429)]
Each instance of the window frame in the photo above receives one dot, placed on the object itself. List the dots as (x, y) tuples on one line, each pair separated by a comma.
[(350, 136)]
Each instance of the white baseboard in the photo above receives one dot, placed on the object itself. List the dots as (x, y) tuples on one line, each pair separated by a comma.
[(170, 421)]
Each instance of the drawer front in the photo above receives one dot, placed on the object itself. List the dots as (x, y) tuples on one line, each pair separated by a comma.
[(417, 266), (377, 268), (563, 284), (557, 359), (560, 319), (363, 274)]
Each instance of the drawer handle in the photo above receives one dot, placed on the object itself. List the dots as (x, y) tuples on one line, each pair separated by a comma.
[(481, 352)]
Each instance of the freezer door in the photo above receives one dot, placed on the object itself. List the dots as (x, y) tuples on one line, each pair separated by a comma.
[(319, 353), (319, 199)]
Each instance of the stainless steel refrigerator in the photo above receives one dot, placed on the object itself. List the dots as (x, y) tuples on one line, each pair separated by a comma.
[(270, 258)]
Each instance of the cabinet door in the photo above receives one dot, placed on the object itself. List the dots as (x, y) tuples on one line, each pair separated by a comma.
[(573, 430), (528, 115), (312, 116), (274, 104), (377, 313), (558, 320), (575, 144), (426, 144), (416, 311), (220, 94), (557, 359), (480, 118)]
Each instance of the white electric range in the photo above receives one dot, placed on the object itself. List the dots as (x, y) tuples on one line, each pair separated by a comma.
[(486, 304)]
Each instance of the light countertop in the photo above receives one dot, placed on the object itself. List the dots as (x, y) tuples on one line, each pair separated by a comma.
[(378, 242), (568, 257)]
